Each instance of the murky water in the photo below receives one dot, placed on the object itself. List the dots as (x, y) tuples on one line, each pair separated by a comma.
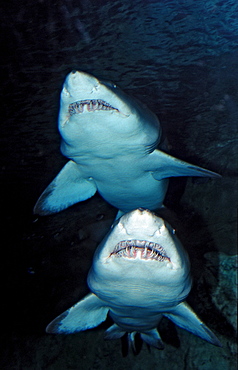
[(181, 59)]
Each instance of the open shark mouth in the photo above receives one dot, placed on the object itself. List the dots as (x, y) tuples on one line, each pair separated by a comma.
[(89, 105), (141, 249)]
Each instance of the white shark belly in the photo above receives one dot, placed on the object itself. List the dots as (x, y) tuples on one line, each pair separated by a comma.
[(144, 192), (136, 319), (128, 186)]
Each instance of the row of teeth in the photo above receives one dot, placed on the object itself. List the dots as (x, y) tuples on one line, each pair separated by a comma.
[(140, 249), (92, 105)]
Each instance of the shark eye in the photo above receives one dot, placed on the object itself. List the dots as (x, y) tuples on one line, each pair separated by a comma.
[(171, 230), (110, 84)]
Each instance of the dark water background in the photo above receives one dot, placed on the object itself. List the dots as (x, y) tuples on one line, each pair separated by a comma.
[(181, 59)]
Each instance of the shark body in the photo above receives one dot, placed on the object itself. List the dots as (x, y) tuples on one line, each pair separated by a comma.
[(140, 273), (111, 142)]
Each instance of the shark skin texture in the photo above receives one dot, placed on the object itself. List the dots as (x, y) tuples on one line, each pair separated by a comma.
[(140, 273), (110, 140)]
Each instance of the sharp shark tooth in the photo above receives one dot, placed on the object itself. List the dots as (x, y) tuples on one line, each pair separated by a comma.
[(92, 105), (140, 249)]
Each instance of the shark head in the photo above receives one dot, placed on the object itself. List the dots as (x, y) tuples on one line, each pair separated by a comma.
[(141, 251), (90, 108)]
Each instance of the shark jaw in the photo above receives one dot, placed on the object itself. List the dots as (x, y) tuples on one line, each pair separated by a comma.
[(100, 111), (83, 93), (89, 105), (140, 249), (140, 245), (141, 235)]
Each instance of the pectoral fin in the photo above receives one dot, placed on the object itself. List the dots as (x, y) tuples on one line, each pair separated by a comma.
[(68, 188), (169, 166), (186, 318), (87, 313)]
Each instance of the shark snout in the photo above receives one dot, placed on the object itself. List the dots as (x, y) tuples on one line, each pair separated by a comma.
[(80, 80), (141, 221)]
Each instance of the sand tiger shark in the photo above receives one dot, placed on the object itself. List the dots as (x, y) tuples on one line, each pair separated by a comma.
[(111, 142), (140, 273)]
